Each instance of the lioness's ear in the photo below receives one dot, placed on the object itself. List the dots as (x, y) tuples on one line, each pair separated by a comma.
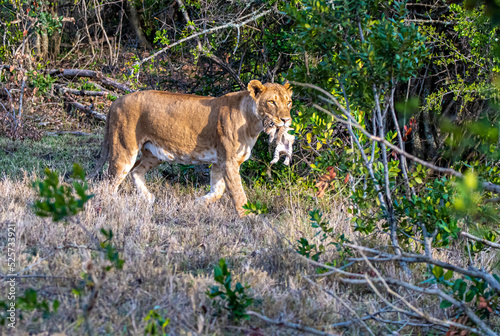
[(256, 88), (288, 87)]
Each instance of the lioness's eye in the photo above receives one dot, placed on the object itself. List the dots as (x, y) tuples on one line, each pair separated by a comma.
[(289, 103), (271, 102)]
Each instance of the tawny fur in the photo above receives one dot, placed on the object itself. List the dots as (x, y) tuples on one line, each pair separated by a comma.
[(190, 129)]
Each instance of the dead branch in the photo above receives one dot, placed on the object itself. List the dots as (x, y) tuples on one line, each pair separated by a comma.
[(72, 73), (76, 133), (434, 291), (9, 68), (289, 325), (63, 90), (418, 258), (87, 110), (375, 317), (484, 241)]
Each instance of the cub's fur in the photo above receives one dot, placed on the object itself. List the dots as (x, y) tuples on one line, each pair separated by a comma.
[(284, 144), (191, 129)]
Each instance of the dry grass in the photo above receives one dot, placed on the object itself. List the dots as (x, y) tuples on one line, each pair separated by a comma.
[(170, 250)]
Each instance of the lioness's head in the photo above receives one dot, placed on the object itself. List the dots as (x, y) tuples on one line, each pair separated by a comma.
[(274, 101)]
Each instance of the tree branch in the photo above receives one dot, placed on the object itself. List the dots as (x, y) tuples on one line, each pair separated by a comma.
[(484, 241), (485, 185), (254, 16)]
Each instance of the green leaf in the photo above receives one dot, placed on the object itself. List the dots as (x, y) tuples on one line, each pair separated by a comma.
[(445, 304), (470, 295), (437, 271)]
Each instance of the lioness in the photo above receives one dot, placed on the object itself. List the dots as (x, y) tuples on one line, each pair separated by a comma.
[(191, 129)]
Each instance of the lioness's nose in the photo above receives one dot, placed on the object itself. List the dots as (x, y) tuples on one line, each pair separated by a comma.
[(285, 119)]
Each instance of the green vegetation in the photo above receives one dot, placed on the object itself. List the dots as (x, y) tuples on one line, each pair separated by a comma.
[(234, 301)]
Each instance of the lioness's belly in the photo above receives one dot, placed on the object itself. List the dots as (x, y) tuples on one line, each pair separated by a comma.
[(195, 157)]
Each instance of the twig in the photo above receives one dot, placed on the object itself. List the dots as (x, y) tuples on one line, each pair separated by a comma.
[(446, 23), (20, 103), (409, 189)]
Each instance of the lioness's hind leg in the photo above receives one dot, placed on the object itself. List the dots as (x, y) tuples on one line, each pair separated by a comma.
[(119, 167), (147, 162), (217, 186)]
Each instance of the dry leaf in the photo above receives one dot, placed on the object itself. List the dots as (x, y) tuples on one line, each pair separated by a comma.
[(324, 181)]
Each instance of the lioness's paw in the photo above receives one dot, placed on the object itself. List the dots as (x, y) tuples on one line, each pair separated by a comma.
[(243, 214), (149, 197), (201, 200)]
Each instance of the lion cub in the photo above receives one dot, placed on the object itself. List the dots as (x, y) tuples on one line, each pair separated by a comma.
[(284, 144), (284, 140)]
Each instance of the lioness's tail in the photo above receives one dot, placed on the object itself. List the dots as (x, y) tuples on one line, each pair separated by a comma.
[(104, 153)]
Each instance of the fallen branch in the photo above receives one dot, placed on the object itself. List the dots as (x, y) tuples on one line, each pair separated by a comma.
[(77, 133), (289, 325), (345, 304), (63, 90), (87, 110), (72, 73), (374, 317)]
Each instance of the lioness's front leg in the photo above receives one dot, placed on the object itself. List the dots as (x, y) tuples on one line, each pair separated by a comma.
[(217, 185), (233, 183)]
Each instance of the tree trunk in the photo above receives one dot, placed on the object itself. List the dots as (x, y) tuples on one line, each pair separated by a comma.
[(134, 21), (56, 44), (45, 43)]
